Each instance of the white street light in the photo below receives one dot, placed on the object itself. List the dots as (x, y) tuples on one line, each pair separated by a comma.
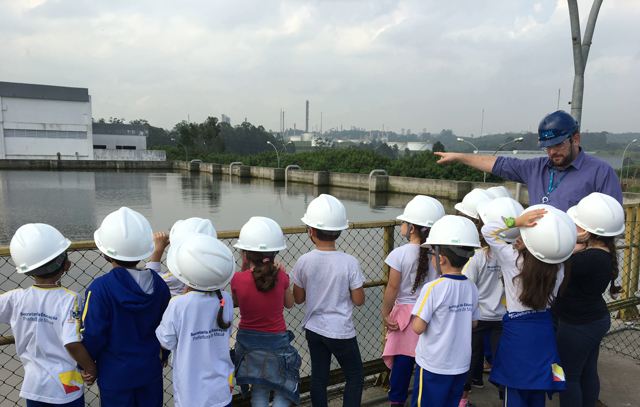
[(623, 154), (501, 146), (461, 140), (277, 154)]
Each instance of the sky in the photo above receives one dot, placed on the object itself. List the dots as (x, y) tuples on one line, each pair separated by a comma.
[(414, 64)]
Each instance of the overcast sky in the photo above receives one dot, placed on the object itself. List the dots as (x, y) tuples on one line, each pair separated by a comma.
[(417, 64)]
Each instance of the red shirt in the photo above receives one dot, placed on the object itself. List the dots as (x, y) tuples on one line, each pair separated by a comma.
[(260, 311)]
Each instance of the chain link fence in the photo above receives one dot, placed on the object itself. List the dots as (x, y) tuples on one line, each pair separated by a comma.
[(369, 243)]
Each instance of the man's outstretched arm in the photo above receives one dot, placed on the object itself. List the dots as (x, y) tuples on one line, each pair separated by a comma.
[(480, 162)]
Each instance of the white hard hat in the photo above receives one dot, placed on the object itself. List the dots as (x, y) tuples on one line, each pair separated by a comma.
[(422, 211), (553, 238), (499, 208), (261, 234), (599, 214), (326, 212), (189, 226), (35, 244), (452, 230), (499, 192), (470, 202), (125, 235), (202, 262)]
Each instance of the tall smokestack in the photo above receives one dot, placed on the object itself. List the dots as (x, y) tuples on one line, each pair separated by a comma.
[(306, 121)]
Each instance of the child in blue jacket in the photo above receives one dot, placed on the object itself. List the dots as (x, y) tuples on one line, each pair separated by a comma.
[(122, 310)]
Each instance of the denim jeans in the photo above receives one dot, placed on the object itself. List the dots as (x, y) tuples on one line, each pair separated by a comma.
[(579, 348), (260, 397), (347, 353)]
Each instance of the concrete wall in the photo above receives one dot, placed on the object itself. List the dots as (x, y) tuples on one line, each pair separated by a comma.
[(85, 165), (130, 155), (113, 140), (34, 128)]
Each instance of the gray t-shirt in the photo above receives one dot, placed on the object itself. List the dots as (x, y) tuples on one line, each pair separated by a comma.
[(327, 278), (484, 270)]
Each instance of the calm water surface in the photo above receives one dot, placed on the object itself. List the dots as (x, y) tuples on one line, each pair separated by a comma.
[(75, 202)]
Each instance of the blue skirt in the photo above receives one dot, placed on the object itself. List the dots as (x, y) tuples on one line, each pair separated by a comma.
[(527, 356)]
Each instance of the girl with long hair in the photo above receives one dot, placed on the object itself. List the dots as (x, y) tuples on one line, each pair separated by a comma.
[(527, 362), (409, 270)]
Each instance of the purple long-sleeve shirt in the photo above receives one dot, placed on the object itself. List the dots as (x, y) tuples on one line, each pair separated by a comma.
[(586, 174)]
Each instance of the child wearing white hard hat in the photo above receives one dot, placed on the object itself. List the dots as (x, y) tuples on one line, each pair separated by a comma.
[(527, 362), (444, 315), (409, 270), (45, 320), (262, 291), (122, 310), (330, 283), (581, 311), (196, 327)]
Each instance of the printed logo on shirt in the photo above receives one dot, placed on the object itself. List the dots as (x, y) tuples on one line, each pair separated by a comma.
[(71, 381), (494, 269), (558, 373), (461, 307), (74, 316), (195, 336), (38, 317)]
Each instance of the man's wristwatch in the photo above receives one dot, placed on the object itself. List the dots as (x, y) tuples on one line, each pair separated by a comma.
[(509, 222)]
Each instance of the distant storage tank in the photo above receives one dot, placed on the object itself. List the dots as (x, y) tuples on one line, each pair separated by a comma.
[(306, 120)]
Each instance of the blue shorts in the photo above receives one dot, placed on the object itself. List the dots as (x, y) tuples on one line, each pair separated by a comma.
[(79, 402), (432, 389)]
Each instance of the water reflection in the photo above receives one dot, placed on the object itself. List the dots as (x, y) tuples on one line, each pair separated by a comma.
[(75, 202)]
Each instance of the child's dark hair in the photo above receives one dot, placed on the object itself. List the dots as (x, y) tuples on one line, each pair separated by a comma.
[(610, 243), (453, 253), (265, 272), (51, 268), (220, 320), (327, 235), (122, 263), (537, 279), (423, 258)]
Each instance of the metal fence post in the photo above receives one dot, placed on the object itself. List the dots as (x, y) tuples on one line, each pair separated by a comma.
[(387, 246), (630, 269)]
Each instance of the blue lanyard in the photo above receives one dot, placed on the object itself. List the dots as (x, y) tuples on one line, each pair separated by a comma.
[(551, 187)]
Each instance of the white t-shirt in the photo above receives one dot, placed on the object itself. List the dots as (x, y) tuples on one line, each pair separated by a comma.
[(507, 256), (449, 305), (483, 269), (202, 367), (43, 321), (327, 278), (176, 287), (404, 259)]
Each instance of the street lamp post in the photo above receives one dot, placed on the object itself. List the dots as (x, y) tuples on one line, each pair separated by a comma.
[(186, 155), (277, 153), (461, 140), (623, 154), (501, 146)]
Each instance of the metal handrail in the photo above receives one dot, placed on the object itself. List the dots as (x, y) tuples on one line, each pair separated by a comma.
[(231, 166), (286, 171)]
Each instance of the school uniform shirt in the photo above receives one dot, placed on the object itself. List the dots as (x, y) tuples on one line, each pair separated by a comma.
[(120, 317), (259, 310), (43, 321), (202, 367), (327, 278), (176, 287), (484, 271), (448, 305), (507, 256), (404, 259)]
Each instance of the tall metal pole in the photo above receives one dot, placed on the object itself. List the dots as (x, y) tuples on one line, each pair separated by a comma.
[(277, 154)]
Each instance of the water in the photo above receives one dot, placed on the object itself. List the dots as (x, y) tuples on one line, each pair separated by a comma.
[(75, 202)]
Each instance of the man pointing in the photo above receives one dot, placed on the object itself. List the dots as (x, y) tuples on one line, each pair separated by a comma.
[(560, 179)]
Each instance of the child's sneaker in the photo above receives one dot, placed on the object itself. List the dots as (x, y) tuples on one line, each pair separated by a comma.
[(487, 367), (477, 383)]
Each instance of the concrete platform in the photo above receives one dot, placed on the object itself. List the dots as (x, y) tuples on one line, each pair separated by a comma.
[(619, 386)]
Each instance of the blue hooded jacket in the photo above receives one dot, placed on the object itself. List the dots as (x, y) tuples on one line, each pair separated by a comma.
[(119, 329)]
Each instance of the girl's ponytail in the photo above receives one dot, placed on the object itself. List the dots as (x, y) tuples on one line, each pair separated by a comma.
[(265, 271), (221, 322), (423, 259)]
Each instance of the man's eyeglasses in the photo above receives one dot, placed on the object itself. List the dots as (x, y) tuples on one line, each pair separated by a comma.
[(557, 146)]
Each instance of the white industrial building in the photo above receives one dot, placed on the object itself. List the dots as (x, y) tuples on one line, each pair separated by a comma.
[(54, 123), (45, 122)]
